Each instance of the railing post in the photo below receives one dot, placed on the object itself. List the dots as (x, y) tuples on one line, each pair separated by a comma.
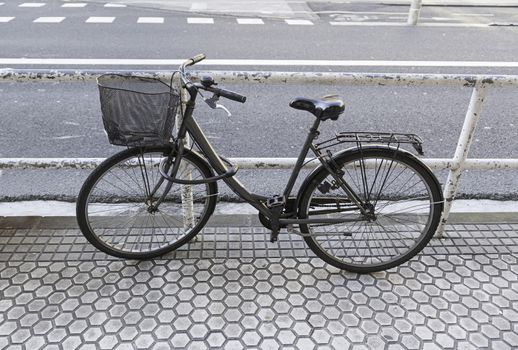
[(461, 152), (413, 13), (186, 190)]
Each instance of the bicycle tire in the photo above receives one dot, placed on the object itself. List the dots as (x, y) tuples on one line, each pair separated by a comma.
[(112, 206), (388, 239)]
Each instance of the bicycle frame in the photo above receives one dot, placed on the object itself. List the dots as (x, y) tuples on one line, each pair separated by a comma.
[(190, 126)]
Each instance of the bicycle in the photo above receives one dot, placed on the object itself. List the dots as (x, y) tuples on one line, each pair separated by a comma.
[(367, 208)]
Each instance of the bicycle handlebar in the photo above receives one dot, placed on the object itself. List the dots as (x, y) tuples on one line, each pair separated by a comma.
[(231, 95), (191, 61), (196, 59)]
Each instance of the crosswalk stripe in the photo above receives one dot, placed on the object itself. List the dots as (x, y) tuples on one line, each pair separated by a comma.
[(249, 21), (32, 4), (150, 20), (100, 20), (114, 5), (49, 20), (200, 20), (74, 4), (299, 22), (6, 19)]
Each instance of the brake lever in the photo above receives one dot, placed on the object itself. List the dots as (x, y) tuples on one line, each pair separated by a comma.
[(218, 106), (212, 102)]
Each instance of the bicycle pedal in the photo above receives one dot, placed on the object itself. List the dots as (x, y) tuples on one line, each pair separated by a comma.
[(275, 201), (324, 187)]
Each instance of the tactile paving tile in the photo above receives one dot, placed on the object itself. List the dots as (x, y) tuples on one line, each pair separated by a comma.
[(42, 244), (436, 301)]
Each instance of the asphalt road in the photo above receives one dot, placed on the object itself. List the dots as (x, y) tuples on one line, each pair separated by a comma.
[(275, 39), (63, 119)]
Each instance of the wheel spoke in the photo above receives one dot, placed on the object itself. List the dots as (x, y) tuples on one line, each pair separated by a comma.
[(403, 198), (118, 208)]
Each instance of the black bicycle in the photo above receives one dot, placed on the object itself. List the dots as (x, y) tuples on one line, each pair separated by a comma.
[(367, 208)]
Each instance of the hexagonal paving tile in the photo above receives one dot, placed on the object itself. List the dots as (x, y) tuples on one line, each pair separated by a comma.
[(436, 301)]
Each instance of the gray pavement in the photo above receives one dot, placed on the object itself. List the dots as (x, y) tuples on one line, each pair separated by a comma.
[(232, 289)]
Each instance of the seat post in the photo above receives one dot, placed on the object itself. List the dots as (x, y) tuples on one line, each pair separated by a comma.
[(313, 133), (314, 129)]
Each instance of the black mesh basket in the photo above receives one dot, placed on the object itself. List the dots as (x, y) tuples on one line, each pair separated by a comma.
[(137, 111)]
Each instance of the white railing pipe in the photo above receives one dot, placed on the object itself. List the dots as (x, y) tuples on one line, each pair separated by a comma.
[(251, 163), (262, 77), (413, 13), (461, 153)]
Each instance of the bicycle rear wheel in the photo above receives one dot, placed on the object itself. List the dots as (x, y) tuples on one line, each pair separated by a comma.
[(402, 194), (115, 206)]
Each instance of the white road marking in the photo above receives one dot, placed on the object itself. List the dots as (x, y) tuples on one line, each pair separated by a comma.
[(32, 4), (249, 21), (257, 62), (66, 137), (474, 14), (374, 24), (200, 20), (49, 20), (100, 20), (299, 22), (464, 25), (439, 18), (359, 12), (151, 20), (114, 5), (75, 4), (6, 19), (2, 3)]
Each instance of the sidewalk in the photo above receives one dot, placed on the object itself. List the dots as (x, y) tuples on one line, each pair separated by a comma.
[(233, 289), (284, 8)]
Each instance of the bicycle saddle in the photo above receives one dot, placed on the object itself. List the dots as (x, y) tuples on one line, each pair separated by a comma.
[(326, 107)]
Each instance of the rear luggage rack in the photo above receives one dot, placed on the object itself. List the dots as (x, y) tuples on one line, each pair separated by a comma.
[(361, 137)]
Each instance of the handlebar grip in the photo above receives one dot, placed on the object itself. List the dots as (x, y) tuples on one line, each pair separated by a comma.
[(197, 59), (231, 95)]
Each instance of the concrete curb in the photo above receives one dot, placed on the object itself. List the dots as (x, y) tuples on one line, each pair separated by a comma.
[(69, 222), (61, 215)]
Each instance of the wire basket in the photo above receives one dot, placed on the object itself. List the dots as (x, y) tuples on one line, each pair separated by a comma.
[(137, 111)]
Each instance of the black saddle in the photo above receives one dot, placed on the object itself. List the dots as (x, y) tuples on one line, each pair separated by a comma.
[(326, 107)]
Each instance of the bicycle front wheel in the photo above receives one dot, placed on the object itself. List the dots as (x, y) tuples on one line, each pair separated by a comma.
[(116, 208), (404, 204)]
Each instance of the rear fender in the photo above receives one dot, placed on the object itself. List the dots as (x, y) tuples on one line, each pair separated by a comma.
[(337, 157)]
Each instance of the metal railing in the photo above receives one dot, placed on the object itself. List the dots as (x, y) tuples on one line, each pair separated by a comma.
[(455, 165), (413, 13)]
